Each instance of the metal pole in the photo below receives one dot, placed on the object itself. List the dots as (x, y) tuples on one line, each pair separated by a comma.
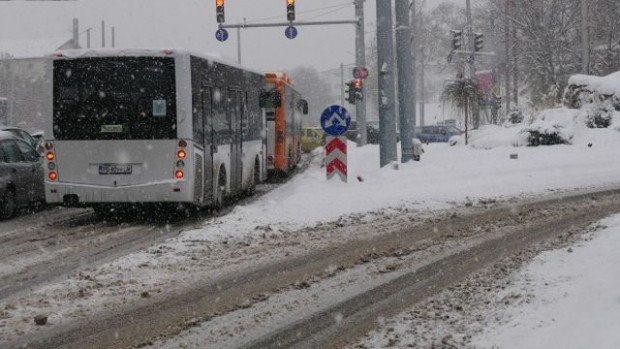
[(507, 61), (286, 24), (360, 60), (472, 67), (88, 37), (102, 33), (113, 37), (585, 38), (418, 26), (76, 33), (385, 69), (406, 81), (341, 83), (239, 45)]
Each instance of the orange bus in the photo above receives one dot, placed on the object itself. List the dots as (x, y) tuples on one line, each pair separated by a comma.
[(284, 124)]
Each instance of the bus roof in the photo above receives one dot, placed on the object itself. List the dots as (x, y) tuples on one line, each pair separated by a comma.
[(141, 52)]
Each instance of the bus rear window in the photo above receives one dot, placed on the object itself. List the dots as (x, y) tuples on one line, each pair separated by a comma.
[(115, 98)]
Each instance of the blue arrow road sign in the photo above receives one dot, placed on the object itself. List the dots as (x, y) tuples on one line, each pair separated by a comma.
[(290, 32), (221, 34), (335, 120)]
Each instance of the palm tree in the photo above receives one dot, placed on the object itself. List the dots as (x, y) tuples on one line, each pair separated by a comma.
[(464, 96)]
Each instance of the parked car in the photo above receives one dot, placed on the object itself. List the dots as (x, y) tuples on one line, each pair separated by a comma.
[(21, 134), (372, 132), (431, 134), (21, 175), (311, 138)]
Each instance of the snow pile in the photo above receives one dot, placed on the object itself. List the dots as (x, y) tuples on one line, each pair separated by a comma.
[(607, 85), (576, 303), (553, 126)]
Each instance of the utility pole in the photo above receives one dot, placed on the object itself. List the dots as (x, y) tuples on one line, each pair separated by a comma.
[(515, 62), (406, 79), (113, 38), (360, 60), (469, 30), (385, 69), (76, 33), (102, 34), (585, 38), (507, 61), (88, 37), (418, 25)]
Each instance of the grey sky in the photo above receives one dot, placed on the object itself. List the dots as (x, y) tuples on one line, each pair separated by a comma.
[(191, 24)]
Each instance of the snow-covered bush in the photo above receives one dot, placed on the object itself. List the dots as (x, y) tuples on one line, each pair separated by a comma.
[(515, 117), (587, 89), (555, 126), (599, 115)]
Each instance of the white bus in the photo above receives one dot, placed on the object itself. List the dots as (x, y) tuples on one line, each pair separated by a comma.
[(146, 126)]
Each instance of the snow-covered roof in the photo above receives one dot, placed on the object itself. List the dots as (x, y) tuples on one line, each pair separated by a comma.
[(33, 48), (608, 85), (137, 52)]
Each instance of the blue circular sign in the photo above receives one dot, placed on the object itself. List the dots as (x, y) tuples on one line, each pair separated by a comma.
[(335, 120), (290, 32), (221, 34)]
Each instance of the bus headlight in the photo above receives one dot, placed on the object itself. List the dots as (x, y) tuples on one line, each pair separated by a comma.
[(178, 174), (51, 166), (180, 163), (52, 176)]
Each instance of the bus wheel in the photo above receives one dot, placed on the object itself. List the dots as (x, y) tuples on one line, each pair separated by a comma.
[(7, 205), (254, 179)]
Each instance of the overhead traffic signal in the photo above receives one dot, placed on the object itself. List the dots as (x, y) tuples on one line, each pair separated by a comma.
[(219, 11), (457, 39), (290, 10), (478, 42), (350, 92)]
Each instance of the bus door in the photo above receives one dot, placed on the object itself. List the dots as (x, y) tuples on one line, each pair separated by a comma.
[(209, 140), (236, 151)]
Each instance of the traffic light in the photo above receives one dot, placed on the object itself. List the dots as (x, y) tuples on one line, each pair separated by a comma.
[(290, 10), (354, 91), (457, 40), (357, 88), (350, 92), (219, 11), (478, 42)]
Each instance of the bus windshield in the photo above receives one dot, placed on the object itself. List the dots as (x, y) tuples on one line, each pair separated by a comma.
[(115, 98)]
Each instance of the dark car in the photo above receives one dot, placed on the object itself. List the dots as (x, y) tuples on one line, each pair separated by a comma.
[(432, 134), (21, 175), (21, 134)]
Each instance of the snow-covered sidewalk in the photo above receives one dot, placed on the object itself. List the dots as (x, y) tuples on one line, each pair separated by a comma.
[(576, 298)]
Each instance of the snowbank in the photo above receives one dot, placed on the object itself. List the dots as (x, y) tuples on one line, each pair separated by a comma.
[(607, 85)]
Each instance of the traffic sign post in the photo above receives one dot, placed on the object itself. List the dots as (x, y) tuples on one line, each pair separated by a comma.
[(221, 35), (336, 157), (290, 32), (335, 121)]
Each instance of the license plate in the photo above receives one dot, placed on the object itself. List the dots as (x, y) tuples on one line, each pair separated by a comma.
[(112, 169)]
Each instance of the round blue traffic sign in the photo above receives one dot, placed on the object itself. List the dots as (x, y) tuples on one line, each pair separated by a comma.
[(290, 32), (335, 120), (221, 34)]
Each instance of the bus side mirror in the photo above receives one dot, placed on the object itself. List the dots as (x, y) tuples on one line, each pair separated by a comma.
[(270, 99), (303, 105)]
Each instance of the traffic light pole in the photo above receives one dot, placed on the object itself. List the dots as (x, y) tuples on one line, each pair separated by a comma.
[(360, 60), (385, 70), (285, 24)]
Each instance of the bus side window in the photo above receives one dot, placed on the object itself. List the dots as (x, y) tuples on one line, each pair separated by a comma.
[(221, 127)]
